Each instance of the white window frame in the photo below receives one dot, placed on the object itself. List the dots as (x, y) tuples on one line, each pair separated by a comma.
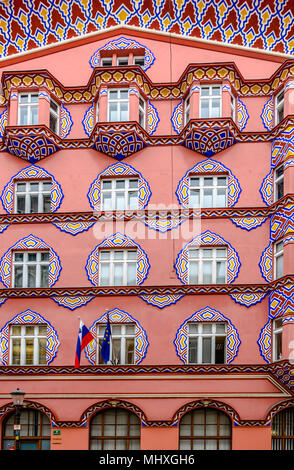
[(201, 335), (124, 58), (278, 105), (139, 57), (142, 108), (123, 336), (97, 111), (126, 260), (233, 107), (25, 263), (106, 59), (277, 331), (119, 101), (278, 253), (187, 110), (213, 259), (201, 188), (28, 193), (210, 97), (30, 104), (277, 181), (36, 336), (127, 190), (55, 114)]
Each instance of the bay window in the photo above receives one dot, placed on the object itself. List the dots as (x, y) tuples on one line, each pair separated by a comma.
[(28, 109)]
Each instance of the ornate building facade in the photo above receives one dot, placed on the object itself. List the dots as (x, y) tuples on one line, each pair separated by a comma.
[(149, 176)]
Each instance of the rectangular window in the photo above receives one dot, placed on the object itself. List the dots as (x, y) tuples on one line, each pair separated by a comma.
[(28, 345), (279, 182), (119, 194), (278, 259), (210, 101), (277, 339), (142, 112), (208, 191), (106, 62), (122, 343), (118, 268), (28, 109), (187, 111), (279, 105), (54, 117), (123, 61), (32, 196), (118, 105), (139, 60), (207, 343), (208, 265), (30, 269)]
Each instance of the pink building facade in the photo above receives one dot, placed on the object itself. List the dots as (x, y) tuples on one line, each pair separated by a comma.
[(150, 178)]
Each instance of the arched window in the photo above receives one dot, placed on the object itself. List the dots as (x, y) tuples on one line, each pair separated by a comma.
[(115, 429), (34, 434), (283, 430), (205, 429)]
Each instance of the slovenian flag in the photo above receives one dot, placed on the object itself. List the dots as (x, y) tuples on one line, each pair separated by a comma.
[(84, 338)]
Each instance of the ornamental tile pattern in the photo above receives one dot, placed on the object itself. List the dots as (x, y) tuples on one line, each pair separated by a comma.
[(265, 342), (31, 172), (248, 299), (73, 302), (248, 223), (161, 301), (282, 222), (265, 26), (242, 114), (118, 240), (30, 147), (208, 166), (266, 263), (89, 120), (177, 118), (119, 170), (267, 114), (3, 122), (210, 315), (123, 44), (29, 243), (281, 302), (65, 122), (31, 318), (207, 239), (119, 316), (74, 228)]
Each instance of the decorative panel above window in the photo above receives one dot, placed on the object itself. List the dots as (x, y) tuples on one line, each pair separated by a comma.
[(222, 267), (31, 245), (9, 194), (232, 187), (28, 334), (119, 317), (121, 244), (119, 172)]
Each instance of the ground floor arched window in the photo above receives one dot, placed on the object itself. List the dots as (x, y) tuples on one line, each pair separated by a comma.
[(115, 429), (283, 430), (205, 429), (34, 434)]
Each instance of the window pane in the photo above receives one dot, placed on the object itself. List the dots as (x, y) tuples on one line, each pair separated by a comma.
[(206, 350), (106, 202), (220, 349), (207, 197), (31, 275), (45, 256), (118, 255), (129, 359), (32, 256), (193, 350), (207, 272), (120, 201), (220, 272), (118, 274), (133, 200), (20, 204), (44, 276), (34, 115), (193, 272), (113, 116), (23, 116), (29, 351), (194, 198), (131, 274), (47, 186), (18, 277), (221, 197), (42, 350), (204, 110), (46, 203), (279, 266), (116, 345), (215, 111), (104, 274), (33, 204), (124, 112), (107, 184), (16, 351)]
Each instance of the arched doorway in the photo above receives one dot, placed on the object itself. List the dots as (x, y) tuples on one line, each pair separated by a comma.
[(283, 430), (115, 429), (205, 429), (34, 434)]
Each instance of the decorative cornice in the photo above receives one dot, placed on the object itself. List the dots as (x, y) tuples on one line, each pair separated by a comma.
[(202, 289), (143, 214)]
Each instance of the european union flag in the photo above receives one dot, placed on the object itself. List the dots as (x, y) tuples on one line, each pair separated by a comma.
[(105, 348)]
